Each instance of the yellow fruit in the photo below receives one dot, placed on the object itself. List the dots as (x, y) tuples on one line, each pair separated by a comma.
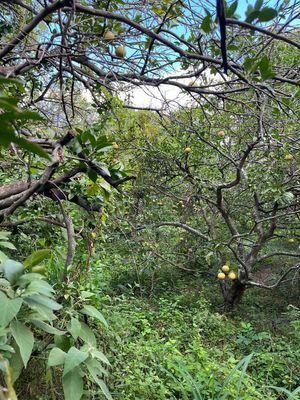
[(115, 146), (221, 134), (187, 150), (225, 268), (221, 275), (289, 157), (291, 241), (94, 234), (108, 35), (120, 51), (232, 275)]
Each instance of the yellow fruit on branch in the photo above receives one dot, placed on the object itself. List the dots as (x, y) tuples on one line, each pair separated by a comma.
[(120, 51), (291, 240), (221, 134), (221, 275), (115, 146), (225, 268), (232, 275), (289, 157), (187, 150), (109, 36)]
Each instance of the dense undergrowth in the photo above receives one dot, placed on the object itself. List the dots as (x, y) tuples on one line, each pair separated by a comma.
[(172, 339)]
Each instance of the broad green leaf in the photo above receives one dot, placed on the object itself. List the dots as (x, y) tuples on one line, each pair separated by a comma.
[(95, 368), (47, 328), (12, 270), (206, 24), (62, 342), (16, 363), (24, 339), (103, 387), (73, 359), (231, 9), (56, 357), (93, 312), (44, 313), (9, 309), (31, 147), (4, 234), (265, 68), (6, 347), (258, 4), (7, 245), (39, 286), (36, 257), (44, 301), (3, 257), (87, 335), (73, 385), (267, 14), (74, 328), (92, 174), (252, 16), (98, 354)]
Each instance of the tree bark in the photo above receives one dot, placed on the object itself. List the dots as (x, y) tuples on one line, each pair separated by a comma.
[(234, 294)]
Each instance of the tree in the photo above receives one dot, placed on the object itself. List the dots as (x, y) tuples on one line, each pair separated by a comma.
[(234, 186), (61, 49)]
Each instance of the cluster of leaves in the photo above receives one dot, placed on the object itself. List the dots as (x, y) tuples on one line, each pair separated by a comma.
[(11, 116), (30, 315)]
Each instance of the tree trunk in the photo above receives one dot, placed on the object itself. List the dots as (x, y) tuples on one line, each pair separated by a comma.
[(234, 294)]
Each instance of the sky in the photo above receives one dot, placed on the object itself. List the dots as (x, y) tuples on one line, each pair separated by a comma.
[(147, 96)]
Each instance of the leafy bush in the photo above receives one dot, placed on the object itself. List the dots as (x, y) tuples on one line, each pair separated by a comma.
[(31, 320)]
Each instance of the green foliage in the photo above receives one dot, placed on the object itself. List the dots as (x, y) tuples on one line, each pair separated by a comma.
[(12, 115), (28, 317)]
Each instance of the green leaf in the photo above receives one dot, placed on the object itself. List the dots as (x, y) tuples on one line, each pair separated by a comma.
[(73, 359), (252, 16), (258, 4), (39, 286), (31, 147), (3, 257), (62, 342), (87, 335), (73, 385), (103, 387), (265, 68), (56, 357), (12, 270), (206, 24), (44, 301), (24, 339), (47, 328), (16, 363), (7, 245), (94, 367), (9, 309), (44, 312), (267, 14), (36, 257), (98, 354), (93, 312), (232, 9), (4, 235), (92, 174), (74, 328)]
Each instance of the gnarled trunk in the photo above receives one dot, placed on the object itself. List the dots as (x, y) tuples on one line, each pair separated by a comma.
[(234, 294)]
